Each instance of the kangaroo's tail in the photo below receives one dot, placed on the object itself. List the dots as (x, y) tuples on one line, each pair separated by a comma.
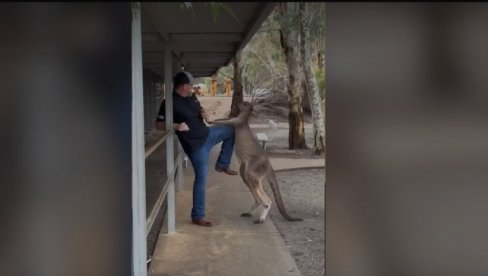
[(271, 177)]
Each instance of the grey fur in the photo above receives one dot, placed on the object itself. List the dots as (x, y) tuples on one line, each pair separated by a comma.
[(255, 165)]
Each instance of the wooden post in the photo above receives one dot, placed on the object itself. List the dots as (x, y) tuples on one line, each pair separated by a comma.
[(227, 86), (213, 90)]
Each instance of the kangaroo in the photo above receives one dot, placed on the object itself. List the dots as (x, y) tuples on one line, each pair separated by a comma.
[(255, 165)]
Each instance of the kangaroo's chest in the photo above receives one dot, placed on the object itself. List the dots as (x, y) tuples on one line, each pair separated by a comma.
[(246, 145)]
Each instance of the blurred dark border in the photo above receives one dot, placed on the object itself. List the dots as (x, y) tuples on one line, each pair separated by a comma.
[(65, 122), (407, 139)]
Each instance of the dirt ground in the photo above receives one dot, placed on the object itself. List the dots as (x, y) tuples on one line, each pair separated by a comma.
[(303, 193), (303, 190)]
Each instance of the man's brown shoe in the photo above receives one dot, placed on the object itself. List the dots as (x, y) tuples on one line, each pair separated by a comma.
[(202, 222), (227, 171)]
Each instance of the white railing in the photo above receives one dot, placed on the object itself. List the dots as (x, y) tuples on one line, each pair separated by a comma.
[(176, 173), (139, 249), (155, 145)]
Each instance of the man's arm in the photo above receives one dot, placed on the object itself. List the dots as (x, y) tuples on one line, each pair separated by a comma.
[(161, 125), (161, 121)]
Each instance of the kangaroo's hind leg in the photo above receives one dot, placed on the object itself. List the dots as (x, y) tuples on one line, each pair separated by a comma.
[(257, 201), (265, 201)]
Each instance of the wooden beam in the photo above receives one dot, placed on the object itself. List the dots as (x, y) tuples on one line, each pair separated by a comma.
[(153, 57), (151, 37), (151, 10), (204, 37), (205, 46)]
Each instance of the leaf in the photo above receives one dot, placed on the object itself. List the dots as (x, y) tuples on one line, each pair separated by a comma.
[(231, 12), (215, 10), (188, 6)]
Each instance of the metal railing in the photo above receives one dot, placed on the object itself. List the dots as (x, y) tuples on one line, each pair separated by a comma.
[(177, 174), (139, 256)]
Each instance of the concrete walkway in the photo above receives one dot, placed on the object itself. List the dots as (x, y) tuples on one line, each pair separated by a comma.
[(234, 245), (282, 164)]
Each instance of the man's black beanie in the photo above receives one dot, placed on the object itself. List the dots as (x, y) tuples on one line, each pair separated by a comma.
[(182, 77)]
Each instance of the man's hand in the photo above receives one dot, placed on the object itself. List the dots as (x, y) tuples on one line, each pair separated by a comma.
[(181, 127)]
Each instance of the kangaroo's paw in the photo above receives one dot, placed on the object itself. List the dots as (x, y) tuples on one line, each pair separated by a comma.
[(258, 221), (246, 215)]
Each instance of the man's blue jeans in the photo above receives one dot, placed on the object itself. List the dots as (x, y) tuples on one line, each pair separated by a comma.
[(200, 159)]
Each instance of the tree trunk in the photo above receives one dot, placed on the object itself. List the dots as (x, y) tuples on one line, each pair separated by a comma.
[(320, 59), (289, 39), (238, 96), (306, 101), (312, 87)]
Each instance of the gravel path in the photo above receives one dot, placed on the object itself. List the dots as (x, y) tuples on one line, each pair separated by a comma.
[(303, 193)]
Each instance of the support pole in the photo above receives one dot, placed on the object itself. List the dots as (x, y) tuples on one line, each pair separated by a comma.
[(170, 157), (138, 164)]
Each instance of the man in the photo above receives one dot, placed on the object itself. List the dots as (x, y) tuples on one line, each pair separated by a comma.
[(197, 139)]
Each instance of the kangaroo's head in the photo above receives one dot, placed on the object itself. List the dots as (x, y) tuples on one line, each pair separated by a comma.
[(245, 107), (245, 110)]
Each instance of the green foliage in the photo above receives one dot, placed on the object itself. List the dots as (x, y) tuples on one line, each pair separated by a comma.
[(263, 62), (316, 15), (215, 8), (291, 19), (227, 71), (320, 77), (208, 83)]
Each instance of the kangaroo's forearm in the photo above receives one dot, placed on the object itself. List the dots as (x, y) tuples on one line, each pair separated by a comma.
[(229, 122)]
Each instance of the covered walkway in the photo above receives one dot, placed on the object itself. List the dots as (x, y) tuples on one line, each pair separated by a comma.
[(233, 246), (167, 38)]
